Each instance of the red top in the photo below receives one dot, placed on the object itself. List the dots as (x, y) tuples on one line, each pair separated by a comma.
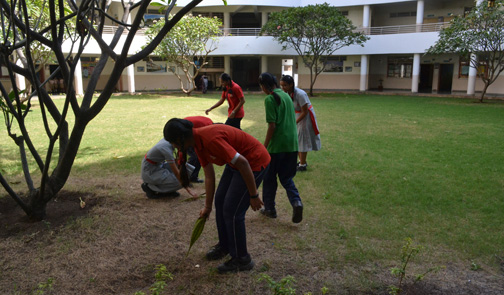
[(219, 143), (233, 95), (199, 121)]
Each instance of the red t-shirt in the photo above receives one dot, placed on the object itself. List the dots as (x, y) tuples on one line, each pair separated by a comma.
[(199, 121), (233, 95), (219, 143)]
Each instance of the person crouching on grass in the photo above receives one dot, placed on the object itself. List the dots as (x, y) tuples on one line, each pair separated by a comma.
[(246, 161)]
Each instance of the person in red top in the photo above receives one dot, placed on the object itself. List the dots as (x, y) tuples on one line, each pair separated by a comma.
[(246, 160), (234, 95), (198, 121)]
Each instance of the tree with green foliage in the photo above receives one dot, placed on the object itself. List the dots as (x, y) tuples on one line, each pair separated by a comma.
[(315, 32), (187, 45), (19, 33), (39, 13), (479, 38)]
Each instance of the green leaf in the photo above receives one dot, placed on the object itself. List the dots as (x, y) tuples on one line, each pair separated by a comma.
[(196, 233)]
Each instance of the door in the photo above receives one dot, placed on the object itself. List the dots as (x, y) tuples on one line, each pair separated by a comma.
[(445, 78), (426, 75), (245, 71)]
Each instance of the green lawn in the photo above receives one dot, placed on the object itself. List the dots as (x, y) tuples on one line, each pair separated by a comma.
[(390, 167)]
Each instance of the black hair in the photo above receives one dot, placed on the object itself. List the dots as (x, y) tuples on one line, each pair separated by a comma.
[(269, 82), (178, 131), (225, 77), (289, 80)]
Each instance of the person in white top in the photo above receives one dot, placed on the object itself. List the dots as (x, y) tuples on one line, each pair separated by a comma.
[(308, 131)]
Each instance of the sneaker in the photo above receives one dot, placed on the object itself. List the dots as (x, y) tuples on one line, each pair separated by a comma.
[(197, 180), (301, 167), (268, 213), (297, 212), (236, 264), (216, 253)]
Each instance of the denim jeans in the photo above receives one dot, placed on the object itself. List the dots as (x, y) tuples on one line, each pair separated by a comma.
[(232, 200), (235, 122), (283, 165)]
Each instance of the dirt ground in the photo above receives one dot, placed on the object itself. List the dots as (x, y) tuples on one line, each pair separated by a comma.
[(113, 244)]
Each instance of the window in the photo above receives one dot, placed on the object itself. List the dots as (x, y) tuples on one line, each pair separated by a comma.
[(334, 64), (152, 16), (88, 65), (400, 67), (403, 14), (465, 65), (215, 62), (344, 12), (3, 72)]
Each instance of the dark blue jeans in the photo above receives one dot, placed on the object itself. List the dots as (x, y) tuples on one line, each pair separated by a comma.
[(283, 165), (232, 200), (193, 160), (235, 122)]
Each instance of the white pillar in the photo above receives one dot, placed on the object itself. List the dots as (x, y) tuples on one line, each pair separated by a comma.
[(79, 89), (364, 73), (471, 79), (366, 17), (264, 63), (227, 23), (20, 80), (419, 15), (416, 73), (227, 64), (131, 78), (264, 18)]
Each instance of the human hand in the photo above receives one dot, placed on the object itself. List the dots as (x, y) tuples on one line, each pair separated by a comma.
[(205, 212), (192, 193), (207, 111), (232, 115), (256, 204)]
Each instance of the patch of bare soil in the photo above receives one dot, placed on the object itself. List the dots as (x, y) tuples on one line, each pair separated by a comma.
[(113, 244)]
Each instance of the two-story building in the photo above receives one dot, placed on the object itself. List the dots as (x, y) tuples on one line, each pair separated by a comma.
[(392, 59)]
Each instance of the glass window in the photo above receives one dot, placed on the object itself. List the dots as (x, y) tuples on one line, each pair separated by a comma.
[(334, 64), (400, 67), (465, 65)]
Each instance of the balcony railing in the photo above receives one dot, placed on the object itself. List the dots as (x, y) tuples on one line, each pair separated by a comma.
[(113, 30), (404, 29), (240, 31)]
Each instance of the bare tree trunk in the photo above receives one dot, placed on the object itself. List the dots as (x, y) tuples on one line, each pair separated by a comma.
[(311, 81), (485, 88)]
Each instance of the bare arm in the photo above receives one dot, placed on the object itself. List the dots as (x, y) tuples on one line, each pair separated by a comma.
[(209, 189), (177, 174), (269, 133), (304, 113), (221, 101), (237, 108), (248, 176)]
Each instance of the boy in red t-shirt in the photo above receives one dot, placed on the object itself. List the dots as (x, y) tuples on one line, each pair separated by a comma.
[(246, 161), (233, 93)]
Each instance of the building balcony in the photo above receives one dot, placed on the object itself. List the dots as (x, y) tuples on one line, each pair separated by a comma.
[(386, 30)]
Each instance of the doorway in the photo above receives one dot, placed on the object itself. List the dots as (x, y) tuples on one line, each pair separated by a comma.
[(245, 72), (426, 76), (445, 78)]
